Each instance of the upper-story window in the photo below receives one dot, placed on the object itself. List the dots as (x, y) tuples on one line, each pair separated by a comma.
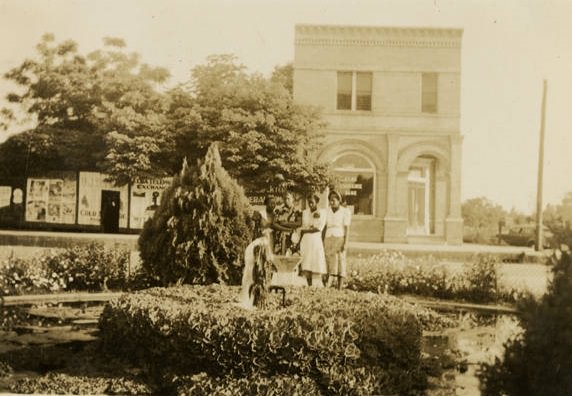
[(354, 91), (429, 93)]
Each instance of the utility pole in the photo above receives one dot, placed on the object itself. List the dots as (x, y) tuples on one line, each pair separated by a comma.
[(539, 242)]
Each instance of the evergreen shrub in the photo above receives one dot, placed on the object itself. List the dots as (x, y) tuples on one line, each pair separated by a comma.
[(337, 338), (201, 228), (539, 361)]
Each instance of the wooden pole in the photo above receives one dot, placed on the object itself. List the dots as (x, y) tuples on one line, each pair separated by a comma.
[(539, 242)]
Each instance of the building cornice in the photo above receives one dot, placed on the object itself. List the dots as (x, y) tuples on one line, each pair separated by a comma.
[(373, 36)]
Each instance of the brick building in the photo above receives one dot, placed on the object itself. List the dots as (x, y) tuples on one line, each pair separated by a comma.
[(391, 99)]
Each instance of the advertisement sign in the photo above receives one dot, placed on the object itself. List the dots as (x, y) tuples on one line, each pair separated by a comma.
[(145, 199), (5, 196), (51, 200), (91, 184)]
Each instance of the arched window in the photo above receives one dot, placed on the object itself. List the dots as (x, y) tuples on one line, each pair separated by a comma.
[(357, 177)]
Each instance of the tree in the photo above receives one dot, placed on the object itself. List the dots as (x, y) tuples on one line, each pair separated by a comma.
[(558, 219), (265, 139), (482, 217), (284, 75), (201, 228), (106, 98)]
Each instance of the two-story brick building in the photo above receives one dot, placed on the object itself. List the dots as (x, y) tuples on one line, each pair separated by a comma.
[(391, 99)]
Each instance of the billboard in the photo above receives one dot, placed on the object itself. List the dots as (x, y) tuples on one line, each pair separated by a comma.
[(51, 200), (146, 196), (5, 196), (91, 184)]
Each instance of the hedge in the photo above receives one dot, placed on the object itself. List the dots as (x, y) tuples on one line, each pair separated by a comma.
[(324, 335)]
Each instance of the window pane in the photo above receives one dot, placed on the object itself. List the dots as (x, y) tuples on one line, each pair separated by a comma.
[(357, 190), (363, 91), (429, 93), (344, 91)]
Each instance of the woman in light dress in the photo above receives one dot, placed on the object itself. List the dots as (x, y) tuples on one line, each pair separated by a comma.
[(336, 240), (313, 264)]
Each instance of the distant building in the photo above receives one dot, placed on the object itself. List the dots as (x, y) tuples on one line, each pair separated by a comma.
[(391, 98)]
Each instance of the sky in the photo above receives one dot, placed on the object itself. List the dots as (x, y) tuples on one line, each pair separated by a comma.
[(509, 47)]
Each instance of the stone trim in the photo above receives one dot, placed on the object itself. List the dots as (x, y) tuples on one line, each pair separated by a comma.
[(372, 36), (377, 43)]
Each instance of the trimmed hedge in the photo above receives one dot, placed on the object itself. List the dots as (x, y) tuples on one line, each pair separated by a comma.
[(336, 338)]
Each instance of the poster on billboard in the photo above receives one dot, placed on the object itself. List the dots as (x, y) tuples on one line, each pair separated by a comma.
[(68, 200), (5, 196), (51, 200), (145, 199), (91, 185), (37, 202)]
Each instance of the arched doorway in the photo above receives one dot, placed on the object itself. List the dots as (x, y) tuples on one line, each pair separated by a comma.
[(357, 176)]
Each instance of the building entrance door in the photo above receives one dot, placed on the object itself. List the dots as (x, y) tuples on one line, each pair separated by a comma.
[(419, 197), (417, 209), (110, 211)]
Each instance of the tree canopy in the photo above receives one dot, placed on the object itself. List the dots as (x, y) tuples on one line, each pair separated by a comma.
[(90, 109), (482, 213), (105, 111), (265, 138)]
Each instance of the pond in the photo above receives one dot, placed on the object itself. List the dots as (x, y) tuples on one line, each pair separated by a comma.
[(475, 340)]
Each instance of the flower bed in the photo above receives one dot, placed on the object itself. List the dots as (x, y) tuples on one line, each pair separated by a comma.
[(335, 340), (81, 268), (391, 272)]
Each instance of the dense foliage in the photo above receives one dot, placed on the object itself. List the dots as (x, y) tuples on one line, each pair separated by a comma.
[(266, 140), (99, 111), (68, 368), (341, 340), (81, 268), (201, 228), (392, 272), (106, 111), (481, 220), (64, 384), (539, 361)]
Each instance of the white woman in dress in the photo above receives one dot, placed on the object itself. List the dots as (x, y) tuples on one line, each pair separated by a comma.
[(313, 264)]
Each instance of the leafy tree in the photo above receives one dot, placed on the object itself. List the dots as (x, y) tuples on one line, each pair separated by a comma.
[(481, 217), (265, 139), (284, 75), (558, 218), (201, 228), (91, 105), (538, 362), (110, 100)]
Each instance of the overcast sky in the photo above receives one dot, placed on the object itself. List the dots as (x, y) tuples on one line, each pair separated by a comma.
[(508, 48)]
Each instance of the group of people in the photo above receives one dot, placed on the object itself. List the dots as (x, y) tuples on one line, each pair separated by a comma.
[(319, 236)]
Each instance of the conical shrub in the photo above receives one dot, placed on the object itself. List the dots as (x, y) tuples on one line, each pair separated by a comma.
[(200, 231)]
